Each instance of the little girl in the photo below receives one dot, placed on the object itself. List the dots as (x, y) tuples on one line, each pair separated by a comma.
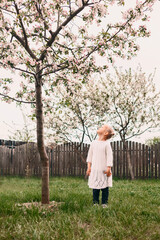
[(100, 161)]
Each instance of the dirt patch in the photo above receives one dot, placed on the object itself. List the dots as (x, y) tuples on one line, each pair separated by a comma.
[(29, 205)]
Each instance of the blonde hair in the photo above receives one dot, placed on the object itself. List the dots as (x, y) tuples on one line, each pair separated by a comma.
[(110, 133)]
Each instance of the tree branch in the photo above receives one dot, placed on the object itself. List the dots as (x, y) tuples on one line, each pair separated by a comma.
[(88, 133), (41, 15), (54, 71), (118, 113), (70, 49), (98, 47), (120, 29), (14, 34), (14, 99), (6, 10), (19, 69), (137, 134), (22, 26), (70, 9), (54, 34)]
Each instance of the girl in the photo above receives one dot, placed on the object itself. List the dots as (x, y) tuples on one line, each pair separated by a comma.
[(100, 161)]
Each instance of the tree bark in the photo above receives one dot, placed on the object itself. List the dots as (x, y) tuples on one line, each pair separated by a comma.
[(40, 140)]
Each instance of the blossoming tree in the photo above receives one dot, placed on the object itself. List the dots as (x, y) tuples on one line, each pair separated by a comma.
[(72, 115), (129, 101), (134, 105), (134, 102), (47, 39)]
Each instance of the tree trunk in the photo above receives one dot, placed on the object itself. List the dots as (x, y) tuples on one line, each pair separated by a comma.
[(40, 141), (129, 160)]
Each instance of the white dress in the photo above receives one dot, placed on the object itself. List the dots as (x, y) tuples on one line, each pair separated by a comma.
[(100, 155)]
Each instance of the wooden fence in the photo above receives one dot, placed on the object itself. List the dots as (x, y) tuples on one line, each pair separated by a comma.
[(145, 160), (70, 160), (20, 160)]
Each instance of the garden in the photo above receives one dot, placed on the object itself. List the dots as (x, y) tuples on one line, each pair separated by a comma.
[(66, 56), (133, 211)]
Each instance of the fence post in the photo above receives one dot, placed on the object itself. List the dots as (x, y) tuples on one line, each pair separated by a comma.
[(143, 161), (117, 148), (155, 156), (51, 162), (149, 161), (137, 157), (146, 162), (158, 160)]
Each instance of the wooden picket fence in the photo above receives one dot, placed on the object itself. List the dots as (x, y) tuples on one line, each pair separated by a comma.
[(69, 159), (21, 160), (145, 160)]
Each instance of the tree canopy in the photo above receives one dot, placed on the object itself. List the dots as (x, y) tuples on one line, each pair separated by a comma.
[(126, 99)]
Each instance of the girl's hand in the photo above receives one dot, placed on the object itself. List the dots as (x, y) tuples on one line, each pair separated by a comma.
[(108, 172), (88, 172)]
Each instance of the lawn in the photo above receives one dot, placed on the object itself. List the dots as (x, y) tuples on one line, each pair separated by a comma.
[(133, 212)]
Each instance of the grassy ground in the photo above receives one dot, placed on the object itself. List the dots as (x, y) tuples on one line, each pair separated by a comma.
[(133, 212)]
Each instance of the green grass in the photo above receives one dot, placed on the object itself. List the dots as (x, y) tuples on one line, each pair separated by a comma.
[(133, 212)]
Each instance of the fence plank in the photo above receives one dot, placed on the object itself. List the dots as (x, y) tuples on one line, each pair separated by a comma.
[(121, 162), (147, 160), (79, 159), (71, 160), (76, 158), (56, 161), (133, 157), (117, 148), (143, 160), (114, 166), (137, 156), (158, 160), (63, 159), (126, 160), (140, 160), (151, 162)]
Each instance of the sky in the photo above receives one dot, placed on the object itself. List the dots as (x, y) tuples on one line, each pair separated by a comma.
[(148, 57)]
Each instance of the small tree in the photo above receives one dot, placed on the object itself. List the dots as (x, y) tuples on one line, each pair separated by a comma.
[(49, 37)]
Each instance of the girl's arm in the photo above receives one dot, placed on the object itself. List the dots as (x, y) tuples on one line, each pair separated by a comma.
[(109, 157), (89, 160), (89, 168)]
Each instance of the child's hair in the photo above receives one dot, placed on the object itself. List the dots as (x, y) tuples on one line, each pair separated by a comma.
[(110, 133)]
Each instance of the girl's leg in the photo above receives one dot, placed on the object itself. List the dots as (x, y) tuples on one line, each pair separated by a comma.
[(105, 195), (96, 196)]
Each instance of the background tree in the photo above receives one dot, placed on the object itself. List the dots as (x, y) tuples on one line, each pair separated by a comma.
[(49, 37), (134, 104), (152, 141), (73, 117), (127, 100), (25, 134)]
